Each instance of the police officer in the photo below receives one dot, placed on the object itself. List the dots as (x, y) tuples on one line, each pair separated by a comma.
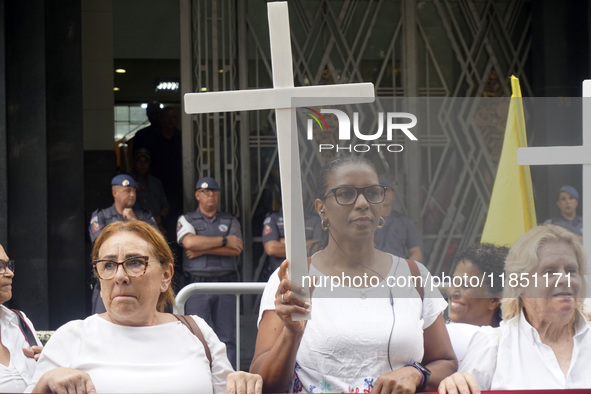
[(274, 239), (568, 201), (212, 240), (396, 233), (123, 188)]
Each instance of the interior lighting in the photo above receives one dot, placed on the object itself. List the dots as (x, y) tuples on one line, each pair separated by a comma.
[(168, 85)]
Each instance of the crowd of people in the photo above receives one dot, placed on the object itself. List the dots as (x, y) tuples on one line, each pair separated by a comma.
[(523, 327)]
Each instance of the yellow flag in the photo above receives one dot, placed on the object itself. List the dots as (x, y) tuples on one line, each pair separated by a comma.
[(511, 211)]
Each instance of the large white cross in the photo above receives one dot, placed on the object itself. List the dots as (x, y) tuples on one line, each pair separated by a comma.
[(281, 98), (560, 155)]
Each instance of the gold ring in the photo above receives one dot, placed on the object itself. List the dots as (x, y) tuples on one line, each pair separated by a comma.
[(283, 299)]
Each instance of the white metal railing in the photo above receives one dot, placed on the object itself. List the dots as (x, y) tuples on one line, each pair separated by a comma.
[(236, 288)]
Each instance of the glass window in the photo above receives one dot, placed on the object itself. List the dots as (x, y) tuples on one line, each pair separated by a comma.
[(129, 119)]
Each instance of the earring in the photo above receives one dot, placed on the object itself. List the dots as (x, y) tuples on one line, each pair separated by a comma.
[(381, 222), (324, 224), (322, 212)]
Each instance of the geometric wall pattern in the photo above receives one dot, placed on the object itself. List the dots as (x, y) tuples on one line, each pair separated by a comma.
[(445, 49)]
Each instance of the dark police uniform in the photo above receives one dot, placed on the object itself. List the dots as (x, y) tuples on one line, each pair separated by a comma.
[(103, 217), (273, 230), (575, 226), (397, 236), (219, 311)]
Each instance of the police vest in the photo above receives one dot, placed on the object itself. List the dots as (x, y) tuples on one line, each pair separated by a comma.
[(209, 264)]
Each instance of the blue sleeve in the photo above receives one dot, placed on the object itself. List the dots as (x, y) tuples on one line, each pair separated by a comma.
[(97, 224), (235, 228), (152, 222), (270, 230)]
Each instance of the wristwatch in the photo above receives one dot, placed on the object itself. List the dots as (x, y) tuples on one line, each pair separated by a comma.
[(424, 372), (224, 240)]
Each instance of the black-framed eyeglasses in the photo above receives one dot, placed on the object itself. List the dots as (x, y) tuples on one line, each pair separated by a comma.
[(6, 264), (209, 192), (347, 195), (134, 266)]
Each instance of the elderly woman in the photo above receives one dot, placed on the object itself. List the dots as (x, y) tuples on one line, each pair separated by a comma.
[(17, 363), (544, 341), (379, 338), (134, 347)]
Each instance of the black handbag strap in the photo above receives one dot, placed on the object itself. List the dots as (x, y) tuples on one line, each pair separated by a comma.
[(195, 330), (25, 329)]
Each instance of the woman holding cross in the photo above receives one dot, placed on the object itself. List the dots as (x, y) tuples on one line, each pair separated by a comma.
[(372, 337)]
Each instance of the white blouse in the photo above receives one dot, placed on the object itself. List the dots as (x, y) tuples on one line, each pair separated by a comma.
[(165, 358), (518, 360), (460, 335), (345, 345), (15, 377)]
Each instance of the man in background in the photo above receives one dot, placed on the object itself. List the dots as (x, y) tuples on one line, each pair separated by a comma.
[(123, 188), (398, 234), (567, 202), (150, 193), (212, 242)]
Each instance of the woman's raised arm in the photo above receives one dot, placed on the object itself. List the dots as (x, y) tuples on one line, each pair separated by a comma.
[(279, 338)]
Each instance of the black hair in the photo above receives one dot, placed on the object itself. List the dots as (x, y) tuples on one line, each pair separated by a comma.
[(490, 259), (322, 185), (330, 167)]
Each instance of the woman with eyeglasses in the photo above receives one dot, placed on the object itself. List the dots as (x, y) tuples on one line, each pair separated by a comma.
[(369, 335), (135, 347), (17, 356)]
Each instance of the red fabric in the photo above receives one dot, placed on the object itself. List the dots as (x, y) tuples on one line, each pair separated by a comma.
[(572, 391)]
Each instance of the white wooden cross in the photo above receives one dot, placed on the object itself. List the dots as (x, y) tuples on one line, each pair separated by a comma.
[(281, 97), (571, 155)]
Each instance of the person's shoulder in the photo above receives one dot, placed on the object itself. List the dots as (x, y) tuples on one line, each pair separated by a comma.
[(199, 320), (204, 327), (461, 330), (154, 179), (142, 133), (143, 214), (76, 326), (398, 215), (422, 268), (103, 214), (226, 215), (196, 214), (100, 211), (273, 215), (109, 211), (487, 336), (8, 315), (401, 218)]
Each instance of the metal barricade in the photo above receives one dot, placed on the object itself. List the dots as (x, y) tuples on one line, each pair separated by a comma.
[(236, 288)]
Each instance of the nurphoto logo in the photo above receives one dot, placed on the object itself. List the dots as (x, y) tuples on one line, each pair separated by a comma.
[(390, 122)]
